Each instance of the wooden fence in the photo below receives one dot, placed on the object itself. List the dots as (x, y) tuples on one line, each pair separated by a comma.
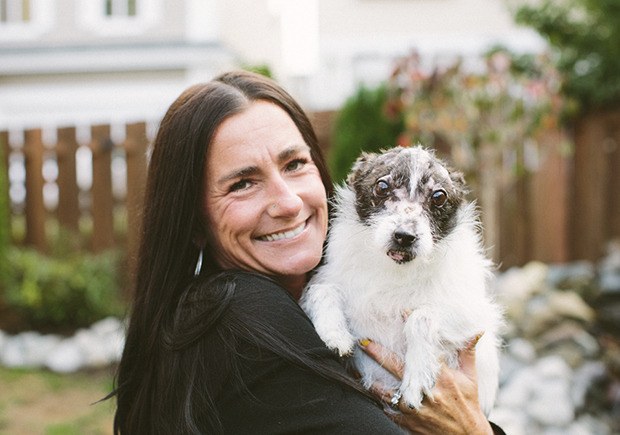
[(564, 210)]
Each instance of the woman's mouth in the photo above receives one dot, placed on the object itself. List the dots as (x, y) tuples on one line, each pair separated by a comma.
[(283, 235)]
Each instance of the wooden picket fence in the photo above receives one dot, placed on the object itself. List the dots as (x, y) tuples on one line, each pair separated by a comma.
[(565, 210), (102, 202)]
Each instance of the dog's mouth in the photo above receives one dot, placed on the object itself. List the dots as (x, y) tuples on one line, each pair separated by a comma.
[(400, 256)]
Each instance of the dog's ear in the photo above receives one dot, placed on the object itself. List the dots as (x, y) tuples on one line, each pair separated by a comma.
[(458, 179), (359, 165)]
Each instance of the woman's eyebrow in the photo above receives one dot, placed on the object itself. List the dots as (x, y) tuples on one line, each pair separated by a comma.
[(239, 173), (291, 151), (248, 171)]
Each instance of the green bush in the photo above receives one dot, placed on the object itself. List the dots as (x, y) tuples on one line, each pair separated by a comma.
[(4, 217), (586, 36), (362, 125), (64, 293)]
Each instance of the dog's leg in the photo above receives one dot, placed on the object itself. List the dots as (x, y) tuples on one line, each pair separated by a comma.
[(323, 304), (422, 356), (487, 367)]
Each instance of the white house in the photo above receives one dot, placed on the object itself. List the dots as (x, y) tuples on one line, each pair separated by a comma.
[(74, 62)]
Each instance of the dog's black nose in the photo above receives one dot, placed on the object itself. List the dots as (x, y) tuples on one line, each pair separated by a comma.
[(404, 238)]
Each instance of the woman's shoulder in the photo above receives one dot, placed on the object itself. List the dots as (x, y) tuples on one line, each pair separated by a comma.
[(253, 289), (227, 297)]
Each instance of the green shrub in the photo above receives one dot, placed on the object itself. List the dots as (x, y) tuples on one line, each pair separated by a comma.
[(362, 125), (5, 229), (586, 37), (64, 293)]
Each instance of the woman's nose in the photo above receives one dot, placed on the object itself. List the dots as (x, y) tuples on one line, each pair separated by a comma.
[(285, 202)]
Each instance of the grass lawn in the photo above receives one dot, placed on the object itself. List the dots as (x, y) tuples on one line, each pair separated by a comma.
[(41, 402)]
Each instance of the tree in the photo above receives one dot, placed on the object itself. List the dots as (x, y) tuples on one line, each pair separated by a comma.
[(586, 37), (362, 125), (480, 118)]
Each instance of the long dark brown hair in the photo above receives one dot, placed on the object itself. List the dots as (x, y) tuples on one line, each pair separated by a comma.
[(172, 222)]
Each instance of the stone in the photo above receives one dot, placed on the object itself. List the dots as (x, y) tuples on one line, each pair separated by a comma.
[(522, 350), (66, 357), (609, 282), (516, 286), (588, 425), (12, 354), (92, 348), (516, 392), (512, 421), (570, 341), (3, 339), (549, 403), (570, 305), (572, 276), (508, 367), (583, 379), (27, 349), (107, 326)]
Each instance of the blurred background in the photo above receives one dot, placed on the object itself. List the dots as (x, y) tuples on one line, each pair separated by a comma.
[(523, 96)]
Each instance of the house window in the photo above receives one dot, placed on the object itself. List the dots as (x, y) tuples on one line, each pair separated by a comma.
[(119, 17), (22, 20), (14, 11), (120, 8)]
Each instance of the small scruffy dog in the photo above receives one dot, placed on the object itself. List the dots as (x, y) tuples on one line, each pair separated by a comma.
[(405, 268)]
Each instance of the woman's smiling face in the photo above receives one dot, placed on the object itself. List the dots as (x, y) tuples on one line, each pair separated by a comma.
[(265, 203)]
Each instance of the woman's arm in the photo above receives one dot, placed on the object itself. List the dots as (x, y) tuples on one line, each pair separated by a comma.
[(454, 407)]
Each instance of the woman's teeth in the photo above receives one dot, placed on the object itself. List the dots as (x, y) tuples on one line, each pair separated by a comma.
[(285, 235)]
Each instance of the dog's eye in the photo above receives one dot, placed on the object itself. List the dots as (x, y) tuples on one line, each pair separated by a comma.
[(382, 188), (439, 198)]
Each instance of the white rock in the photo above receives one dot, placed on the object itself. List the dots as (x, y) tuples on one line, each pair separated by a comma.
[(92, 348), (570, 304), (508, 367), (522, 350), (109, 325), (582, 380), (588, 425), (515, 286), (550, 403), (12, 353), (512, 421), (516, 392), (41, 346), (27, 349), (66, 357), (553, 367)]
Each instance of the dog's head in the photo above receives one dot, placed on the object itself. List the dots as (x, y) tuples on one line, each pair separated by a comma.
[(409, 197)]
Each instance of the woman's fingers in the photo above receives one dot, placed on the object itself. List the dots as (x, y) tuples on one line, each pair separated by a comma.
[(381, 393), (389, 360)]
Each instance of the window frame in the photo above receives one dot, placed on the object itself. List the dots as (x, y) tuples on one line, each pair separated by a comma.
[(93, 16), (41, 16)]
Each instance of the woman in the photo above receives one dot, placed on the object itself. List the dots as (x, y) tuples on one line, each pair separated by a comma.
[(238, 185)]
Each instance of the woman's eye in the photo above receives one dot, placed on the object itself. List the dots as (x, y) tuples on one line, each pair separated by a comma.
[(240, 185), (439, 198), (382, 188), (296, 164)]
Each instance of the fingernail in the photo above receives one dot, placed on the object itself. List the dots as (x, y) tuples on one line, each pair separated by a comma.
[(476, 339), (405, 314), (364, 342)]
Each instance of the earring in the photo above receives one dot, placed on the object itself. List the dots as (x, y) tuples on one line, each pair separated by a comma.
[(198, 264)]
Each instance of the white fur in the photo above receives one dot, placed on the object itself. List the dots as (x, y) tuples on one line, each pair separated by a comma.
[(362, 293)]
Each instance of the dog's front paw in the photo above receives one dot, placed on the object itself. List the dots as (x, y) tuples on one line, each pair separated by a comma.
[(341, 342), (414, 388)]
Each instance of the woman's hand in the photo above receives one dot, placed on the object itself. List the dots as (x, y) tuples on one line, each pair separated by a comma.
[(454, 407)]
